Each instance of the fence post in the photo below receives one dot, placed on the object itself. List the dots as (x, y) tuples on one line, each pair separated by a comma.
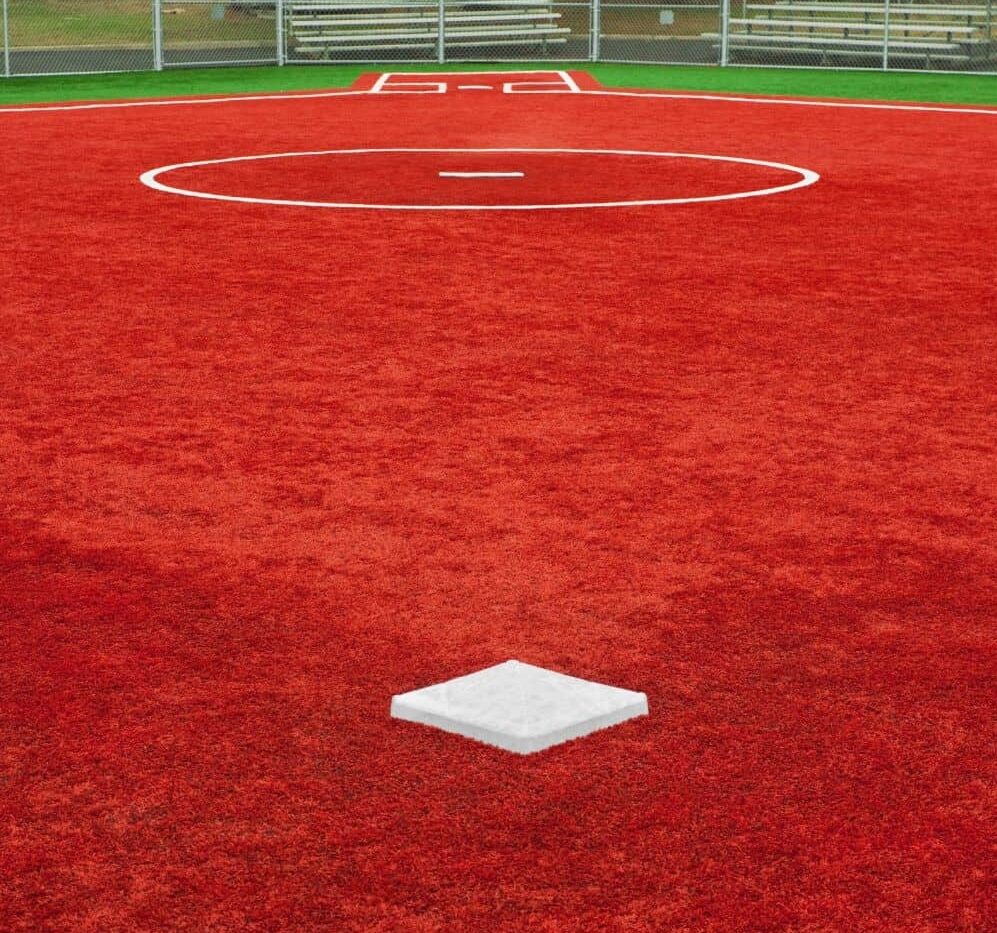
[(6, 42), (886, 35), (595, 30), (441, 53), (279, 16), (990, 30), (157, 34), (724, 33)]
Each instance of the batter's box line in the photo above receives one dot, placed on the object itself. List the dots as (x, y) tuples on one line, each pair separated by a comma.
[(566, 82)]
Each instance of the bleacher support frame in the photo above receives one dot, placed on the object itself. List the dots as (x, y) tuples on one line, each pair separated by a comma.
[(831, 30)]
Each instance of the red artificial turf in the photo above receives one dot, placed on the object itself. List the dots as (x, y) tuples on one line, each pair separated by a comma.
[(263, 467)]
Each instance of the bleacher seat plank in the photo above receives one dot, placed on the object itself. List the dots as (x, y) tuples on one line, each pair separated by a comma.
[(775, 39), (852, 24), (870, 8), (337, 26)]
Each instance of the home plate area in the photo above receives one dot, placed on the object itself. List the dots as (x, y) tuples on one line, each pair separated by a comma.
[(504, 82)]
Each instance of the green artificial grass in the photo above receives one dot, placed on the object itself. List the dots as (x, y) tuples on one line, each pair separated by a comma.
[(869, 85)]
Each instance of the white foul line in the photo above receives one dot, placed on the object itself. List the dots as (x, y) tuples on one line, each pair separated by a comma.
[(182, 101), (481, 174), (794, 102)]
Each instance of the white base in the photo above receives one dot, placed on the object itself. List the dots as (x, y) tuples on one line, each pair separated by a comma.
[(519, 707)]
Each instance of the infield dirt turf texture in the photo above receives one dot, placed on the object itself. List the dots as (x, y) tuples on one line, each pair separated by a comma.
[(264, 466)]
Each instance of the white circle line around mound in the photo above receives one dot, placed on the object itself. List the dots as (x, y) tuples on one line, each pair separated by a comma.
[(806, 178)]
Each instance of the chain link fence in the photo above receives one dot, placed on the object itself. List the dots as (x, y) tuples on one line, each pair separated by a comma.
[(206, 32), (77, 36), (91, 36), (677, 33)]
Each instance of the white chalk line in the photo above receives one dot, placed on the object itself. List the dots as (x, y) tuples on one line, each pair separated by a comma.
[(807, 177), (182, 101), (482, 175), (566, 84)]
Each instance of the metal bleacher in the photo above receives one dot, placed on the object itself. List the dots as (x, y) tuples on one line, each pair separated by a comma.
[(330, 29), (832, 29)]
